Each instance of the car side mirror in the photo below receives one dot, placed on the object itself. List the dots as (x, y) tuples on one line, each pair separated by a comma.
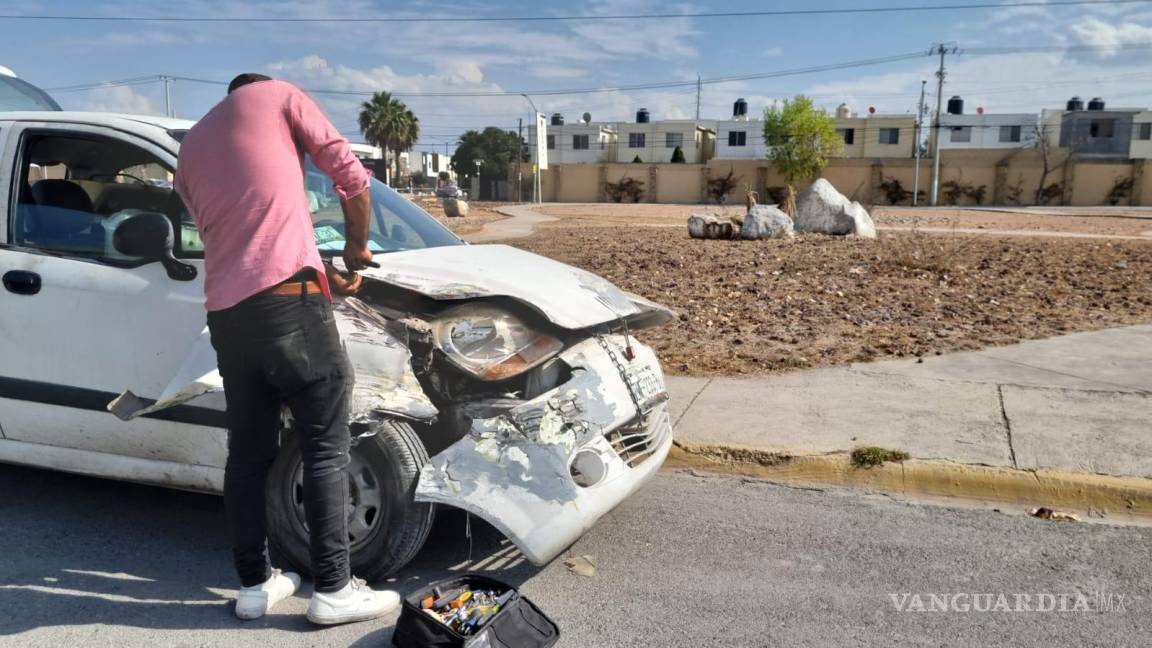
[(150, 235)]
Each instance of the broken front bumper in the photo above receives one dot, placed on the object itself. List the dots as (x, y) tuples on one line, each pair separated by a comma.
[(544, 471)]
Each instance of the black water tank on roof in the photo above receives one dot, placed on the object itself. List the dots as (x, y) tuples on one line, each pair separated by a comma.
[(1096, 104), (955, 106), (1075, 103), (642, 116), (740, 108), (557, 119)]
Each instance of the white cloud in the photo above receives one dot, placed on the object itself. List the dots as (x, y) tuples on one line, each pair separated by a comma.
[(121, 99), (1108, 39), (1012, 12), (557, 72), (662, 39), (773, 51)]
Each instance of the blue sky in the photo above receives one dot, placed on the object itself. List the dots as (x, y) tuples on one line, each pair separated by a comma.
[(422, 57)]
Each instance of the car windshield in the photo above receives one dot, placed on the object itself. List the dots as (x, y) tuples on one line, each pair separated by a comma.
[(16, 94), (397, 223)]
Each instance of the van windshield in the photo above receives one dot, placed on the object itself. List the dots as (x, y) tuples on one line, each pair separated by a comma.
[(397, 223)]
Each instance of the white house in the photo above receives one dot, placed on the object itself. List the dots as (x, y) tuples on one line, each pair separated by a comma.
[(740, 139), (1142, 135), (579, 143), (655, 142), (987, 131)]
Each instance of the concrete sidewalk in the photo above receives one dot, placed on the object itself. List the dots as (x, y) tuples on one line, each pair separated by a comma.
[(522, 221), (1079, 403)]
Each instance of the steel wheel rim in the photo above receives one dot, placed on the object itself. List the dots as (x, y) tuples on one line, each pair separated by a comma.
[(365, 509)]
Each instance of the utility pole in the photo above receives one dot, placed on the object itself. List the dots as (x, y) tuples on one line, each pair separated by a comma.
[(941, 49), (520, 160), (919, 135), (168, 96), (699, 86)]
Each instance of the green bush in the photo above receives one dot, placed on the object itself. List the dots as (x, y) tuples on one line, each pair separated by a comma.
[(678, 156)]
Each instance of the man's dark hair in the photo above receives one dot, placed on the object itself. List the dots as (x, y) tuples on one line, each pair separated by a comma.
[(242, 80)]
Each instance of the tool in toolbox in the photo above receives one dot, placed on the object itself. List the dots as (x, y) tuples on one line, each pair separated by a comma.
[(463, 609), (472, 611)]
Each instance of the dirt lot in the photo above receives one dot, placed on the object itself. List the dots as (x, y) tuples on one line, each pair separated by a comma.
[(479, 215), (1112, 222), (762, 306), (1107, 221)]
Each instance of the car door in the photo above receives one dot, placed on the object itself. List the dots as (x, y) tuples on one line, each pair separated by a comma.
[(80, 323)]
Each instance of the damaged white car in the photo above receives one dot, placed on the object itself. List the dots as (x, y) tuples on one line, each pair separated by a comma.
[(487, 378)]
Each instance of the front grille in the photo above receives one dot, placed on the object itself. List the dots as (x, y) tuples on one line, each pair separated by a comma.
[(636, 441)]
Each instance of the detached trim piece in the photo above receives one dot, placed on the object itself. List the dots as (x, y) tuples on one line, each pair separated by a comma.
[(97, 401)]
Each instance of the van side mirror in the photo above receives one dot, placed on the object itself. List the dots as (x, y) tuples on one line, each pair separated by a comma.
[(150, 235)]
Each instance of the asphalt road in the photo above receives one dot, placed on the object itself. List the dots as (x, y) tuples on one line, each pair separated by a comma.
[(690, 561)]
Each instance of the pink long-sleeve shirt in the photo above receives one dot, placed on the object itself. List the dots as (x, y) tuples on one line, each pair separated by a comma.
[(241, 175)]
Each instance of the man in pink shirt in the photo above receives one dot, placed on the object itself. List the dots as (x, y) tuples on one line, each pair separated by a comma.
[(268, 296)]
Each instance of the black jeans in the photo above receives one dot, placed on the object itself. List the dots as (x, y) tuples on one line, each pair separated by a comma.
[(272, 351)]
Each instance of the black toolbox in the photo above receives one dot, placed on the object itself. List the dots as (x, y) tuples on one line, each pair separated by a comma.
[(517, 624)]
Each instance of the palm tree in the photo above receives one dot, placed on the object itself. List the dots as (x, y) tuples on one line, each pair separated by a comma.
[(386, 122)]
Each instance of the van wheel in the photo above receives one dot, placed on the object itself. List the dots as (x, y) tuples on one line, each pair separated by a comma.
[(386, 526)]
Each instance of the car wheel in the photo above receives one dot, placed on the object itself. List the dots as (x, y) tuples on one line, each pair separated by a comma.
[(386, 526)]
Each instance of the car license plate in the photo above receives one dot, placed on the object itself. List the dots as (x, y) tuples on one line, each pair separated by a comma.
[(646, 386)]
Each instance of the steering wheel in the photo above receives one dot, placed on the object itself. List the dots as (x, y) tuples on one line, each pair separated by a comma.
[(112, 177)]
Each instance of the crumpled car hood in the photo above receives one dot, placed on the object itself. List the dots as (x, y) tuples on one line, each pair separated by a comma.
[(569, 297)]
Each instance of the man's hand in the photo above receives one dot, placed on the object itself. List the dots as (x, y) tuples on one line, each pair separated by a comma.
[(342, 283), (358, 257)]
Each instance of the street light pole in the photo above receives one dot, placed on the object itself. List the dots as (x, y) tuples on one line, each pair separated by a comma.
[(477, 183), (535, 167), (919, 135)]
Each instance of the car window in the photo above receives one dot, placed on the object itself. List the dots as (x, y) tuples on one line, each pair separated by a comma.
[(74, 190), (396, 225)]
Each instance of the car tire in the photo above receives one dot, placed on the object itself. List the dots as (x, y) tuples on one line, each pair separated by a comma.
[(387, 527)]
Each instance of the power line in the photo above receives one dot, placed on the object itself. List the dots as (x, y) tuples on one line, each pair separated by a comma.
[(584, 18), (629, 88)]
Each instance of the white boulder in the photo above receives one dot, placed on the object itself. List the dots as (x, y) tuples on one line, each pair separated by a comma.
[(822, 209), (455, 208), (707, 226), (698, 223), (764, 222)]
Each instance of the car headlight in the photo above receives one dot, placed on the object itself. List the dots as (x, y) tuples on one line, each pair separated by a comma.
[(490, 343)]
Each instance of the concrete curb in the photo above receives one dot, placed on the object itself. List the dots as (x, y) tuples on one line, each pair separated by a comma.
[(1098, 494)]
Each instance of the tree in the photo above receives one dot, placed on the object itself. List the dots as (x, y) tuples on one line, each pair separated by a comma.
[(495, 148), (678, 156), (418, 178), (800, 138), (637, 160), (386, 122), (1042, 136), (720, 186)]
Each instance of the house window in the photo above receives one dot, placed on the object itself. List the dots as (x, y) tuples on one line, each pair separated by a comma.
[(1101, 128), (849, 135), (580, 142), (961, 134), (1009, 133), (635, 140), (889, 135), (672, 140), (737, 138), (1144, 131), (551, 142)]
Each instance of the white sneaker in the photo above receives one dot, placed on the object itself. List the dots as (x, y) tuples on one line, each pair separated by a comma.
[(254, 602), (356, 602)]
